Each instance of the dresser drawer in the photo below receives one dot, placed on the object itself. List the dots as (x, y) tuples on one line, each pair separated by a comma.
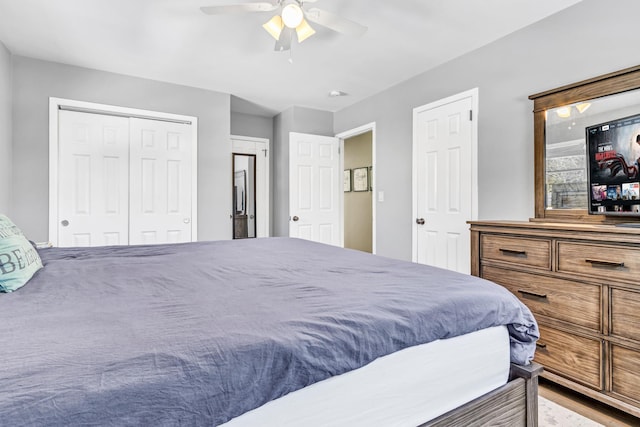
[(601, 261), (625, 372), (571, 356), (566, 300), (523, 251), (625, 314)]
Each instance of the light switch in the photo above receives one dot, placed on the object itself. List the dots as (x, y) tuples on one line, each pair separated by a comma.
[(380, 196)]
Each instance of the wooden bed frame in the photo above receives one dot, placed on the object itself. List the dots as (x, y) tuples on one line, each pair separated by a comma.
[(513, 404)]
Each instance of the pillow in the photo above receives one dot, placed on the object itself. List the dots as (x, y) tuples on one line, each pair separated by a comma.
[(19, 260)]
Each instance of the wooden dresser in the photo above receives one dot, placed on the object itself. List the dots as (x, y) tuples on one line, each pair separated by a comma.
[(582, 283)]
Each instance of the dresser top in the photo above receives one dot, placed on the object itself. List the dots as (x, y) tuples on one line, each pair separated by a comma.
[(631, 229)]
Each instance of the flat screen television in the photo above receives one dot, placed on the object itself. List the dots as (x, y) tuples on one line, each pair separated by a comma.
[(613, 151)]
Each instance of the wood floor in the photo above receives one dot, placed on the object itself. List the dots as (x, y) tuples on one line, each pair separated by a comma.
[(585, 406)]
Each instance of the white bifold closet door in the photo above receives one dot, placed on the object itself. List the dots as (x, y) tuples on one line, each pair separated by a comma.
[(123, 180), (160, 187), (93, 181)]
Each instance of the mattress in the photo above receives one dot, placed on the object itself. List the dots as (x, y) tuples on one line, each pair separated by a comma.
[(201, 333), (391, 390)]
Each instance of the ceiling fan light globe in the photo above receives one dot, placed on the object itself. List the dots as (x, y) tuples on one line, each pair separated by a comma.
[(582, 107), (274, 27), (304, 31), (564, 112), (292, 15)]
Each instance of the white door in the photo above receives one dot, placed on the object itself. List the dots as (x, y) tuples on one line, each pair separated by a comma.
[(445, 181), (116, 179), (314, 188), (260, 148), (160, 188), (93, 183)]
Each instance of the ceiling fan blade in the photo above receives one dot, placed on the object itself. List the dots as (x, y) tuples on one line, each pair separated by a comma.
[(335, 22), (239, 8), (284, 42)]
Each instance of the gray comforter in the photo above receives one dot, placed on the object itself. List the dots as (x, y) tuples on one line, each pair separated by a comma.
[(198, 333)]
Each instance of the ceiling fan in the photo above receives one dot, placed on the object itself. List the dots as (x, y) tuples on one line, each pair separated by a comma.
[(292, 16)]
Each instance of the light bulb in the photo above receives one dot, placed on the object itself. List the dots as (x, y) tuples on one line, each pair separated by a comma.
[(274, 27), (564, 112), (292, 15), (582, 107), (304, 31)]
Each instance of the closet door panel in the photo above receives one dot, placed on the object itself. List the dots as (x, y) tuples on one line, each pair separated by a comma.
[(93, 182), (160, 187)]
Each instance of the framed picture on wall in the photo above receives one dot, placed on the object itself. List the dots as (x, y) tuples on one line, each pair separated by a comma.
[(361, 179), (370, 178), (346, 180)]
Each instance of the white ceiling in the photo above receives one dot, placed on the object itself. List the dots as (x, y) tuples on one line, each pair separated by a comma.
[(173, 41)]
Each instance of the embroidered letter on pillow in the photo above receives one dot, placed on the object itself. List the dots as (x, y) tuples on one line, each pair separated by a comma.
[(19, 260)]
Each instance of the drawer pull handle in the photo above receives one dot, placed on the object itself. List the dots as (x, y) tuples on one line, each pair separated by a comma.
[(512, 252), (532, 294), (595, 262), (541, 345)]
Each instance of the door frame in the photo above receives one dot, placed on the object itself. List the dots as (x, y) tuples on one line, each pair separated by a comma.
[(473, 94), (57, 104), (369, 127), (267, 176)]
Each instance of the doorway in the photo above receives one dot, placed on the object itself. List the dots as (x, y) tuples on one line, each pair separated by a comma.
[(358, 192), (358, 215), (250, 187)]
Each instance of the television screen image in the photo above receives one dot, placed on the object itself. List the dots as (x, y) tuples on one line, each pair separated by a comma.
[(613, 151), (614, 192), (599, 192), (630, 191)]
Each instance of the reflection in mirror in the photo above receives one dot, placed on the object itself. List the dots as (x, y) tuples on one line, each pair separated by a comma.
[(565, 146), (244, 196)]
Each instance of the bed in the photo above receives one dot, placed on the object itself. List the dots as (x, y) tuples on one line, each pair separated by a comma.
[(269, 332)]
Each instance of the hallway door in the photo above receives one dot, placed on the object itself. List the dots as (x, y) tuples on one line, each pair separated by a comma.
[(314, 188), (445, 181)]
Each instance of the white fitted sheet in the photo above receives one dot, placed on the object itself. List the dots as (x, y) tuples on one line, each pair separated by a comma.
[(405, 388)]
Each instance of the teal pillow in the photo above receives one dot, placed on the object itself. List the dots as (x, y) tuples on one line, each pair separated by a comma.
[(19, 260)]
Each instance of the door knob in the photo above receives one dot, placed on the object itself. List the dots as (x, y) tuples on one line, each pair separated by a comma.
[(64, 223), (420, 221), (295, 218), (186, 220)]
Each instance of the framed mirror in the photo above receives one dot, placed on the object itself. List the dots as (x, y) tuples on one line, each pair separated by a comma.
[(244, 196), (560, 118)]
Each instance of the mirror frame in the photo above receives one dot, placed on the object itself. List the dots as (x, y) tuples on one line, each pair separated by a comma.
[(608, 84), (234, 195)]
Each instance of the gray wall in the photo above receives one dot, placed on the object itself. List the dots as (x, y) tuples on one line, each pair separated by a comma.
[(5, 132), (295, 119), (589, 39), (250, 125), (584, 41), (35, 81)]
